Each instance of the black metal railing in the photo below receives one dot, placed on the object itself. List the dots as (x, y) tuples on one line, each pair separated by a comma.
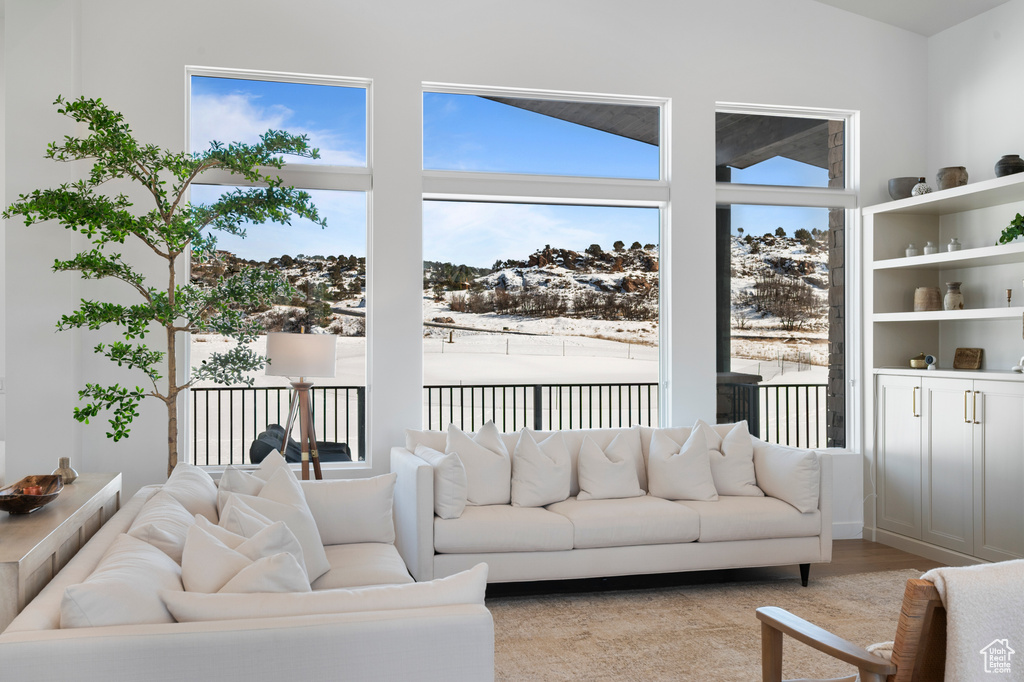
[(788, 414), (225, 421)]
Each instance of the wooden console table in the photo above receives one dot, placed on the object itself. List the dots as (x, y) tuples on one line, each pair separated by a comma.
[(33, 547)]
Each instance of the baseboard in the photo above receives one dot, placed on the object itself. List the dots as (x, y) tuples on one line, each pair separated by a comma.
[(847, 530), (925, 549)]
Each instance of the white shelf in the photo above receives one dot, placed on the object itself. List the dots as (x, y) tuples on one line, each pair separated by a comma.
[(1000, 374), (1002, 254), (952, 315), (1004, 190)]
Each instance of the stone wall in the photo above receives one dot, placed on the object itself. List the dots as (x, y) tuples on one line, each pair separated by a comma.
[(835, 401)]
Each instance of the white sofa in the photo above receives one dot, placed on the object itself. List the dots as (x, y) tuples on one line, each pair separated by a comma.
[(372, 631), (642, 534)]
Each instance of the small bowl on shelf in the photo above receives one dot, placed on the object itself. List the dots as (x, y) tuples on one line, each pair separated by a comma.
[(30, 493)]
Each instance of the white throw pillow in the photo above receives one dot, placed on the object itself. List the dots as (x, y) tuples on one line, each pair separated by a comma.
[(680, 472), (235, 480), (194, 488), (209, 565), (449, 481), (540, 471), (487, 462), (467, 587), (732, 459), (609, 473), (353, 510), (790, 474), (163, 522), (282, 499), (125, 588), (241, 519), (435, 440)]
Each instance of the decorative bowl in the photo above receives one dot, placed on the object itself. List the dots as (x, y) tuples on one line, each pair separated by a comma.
[(900, 188), (15, 500)]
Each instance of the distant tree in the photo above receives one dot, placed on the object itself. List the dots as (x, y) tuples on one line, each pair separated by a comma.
[(755, 247), (803, 235), (635, 246), (595, 250), (619, 245), (779, 232), (749, 238), (650, 246), (739, 231)]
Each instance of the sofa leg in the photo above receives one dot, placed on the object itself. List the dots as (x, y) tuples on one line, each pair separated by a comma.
[(805, 571)]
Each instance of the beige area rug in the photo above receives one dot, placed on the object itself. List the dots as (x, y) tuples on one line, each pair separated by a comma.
[(689, 632)]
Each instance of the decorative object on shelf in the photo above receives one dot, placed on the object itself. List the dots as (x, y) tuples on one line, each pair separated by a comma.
[(1019, 367), (953, 300), (30, 493), (912, 250), (931, 361), (920, 188), (1009, 295), (951, 176), (900, 188), (918, 361), (930, 248), (1013, 230), (927, 299), (967, 358), (65, 471), (953, 245), (1009, 164)]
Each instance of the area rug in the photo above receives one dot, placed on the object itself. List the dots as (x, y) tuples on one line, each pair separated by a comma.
[(690, 632)]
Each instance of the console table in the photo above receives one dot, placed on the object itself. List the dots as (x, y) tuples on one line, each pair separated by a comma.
[(33, 547)]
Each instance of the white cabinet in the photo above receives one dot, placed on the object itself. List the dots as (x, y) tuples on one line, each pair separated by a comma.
[(947, 462), (899, 455), (999, 470)]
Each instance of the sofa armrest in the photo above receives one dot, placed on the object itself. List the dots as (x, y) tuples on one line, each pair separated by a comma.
[(414, 512), (825, 504)]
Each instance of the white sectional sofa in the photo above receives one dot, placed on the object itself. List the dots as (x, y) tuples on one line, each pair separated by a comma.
[(782, 514), (363, 619)]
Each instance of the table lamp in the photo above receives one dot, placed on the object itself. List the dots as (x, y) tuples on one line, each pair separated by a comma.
[(301, 356)]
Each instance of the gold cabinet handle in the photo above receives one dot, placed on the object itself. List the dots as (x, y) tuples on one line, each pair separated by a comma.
[(915, 413), (975, 408), (966, 420)]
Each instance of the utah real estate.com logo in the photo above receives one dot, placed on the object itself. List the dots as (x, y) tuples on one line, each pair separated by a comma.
[(997, 656)]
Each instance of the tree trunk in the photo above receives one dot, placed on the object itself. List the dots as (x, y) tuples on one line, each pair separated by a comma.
[(172, 433)]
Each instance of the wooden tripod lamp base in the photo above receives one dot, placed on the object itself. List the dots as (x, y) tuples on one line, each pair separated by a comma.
[(302, 406)]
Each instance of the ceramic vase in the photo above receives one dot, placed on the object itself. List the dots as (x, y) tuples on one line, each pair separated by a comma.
[(1009, 164), (920, 188), (65, 471), (953, 300), (953, 245), (927, 299), (951, 176), (930, 248)]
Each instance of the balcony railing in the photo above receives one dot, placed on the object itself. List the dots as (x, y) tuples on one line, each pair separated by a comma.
[(226, 421)]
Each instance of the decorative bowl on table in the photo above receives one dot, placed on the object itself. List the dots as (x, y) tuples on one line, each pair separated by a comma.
[(30, 493)]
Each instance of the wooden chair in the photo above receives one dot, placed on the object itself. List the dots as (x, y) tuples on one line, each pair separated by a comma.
[(919, 650)]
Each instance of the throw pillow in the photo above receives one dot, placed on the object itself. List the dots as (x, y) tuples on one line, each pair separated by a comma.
[(194, 488), (281, 499), (487, 462), (163, 522), (125, 588), (732, 459), (790, 474), (209, 565), (241, 519), (467, 587), (609, 473), (435, 440), (354, 510), (235, 480), (680, 472), (540, 471), (449, 481)]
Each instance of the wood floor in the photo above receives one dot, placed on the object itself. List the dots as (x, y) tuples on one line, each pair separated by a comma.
[(848, 557)]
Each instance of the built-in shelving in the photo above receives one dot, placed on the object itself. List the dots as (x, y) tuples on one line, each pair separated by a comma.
[(965, 258), (1004, 190), (952, 315)]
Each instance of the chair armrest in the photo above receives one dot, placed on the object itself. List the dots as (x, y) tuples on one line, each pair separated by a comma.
[(783, 621), (414, 512)]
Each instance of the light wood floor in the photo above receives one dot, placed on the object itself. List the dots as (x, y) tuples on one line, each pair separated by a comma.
[(848, 557)]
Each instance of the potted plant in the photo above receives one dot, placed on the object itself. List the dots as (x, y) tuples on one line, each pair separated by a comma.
[(171, 229)]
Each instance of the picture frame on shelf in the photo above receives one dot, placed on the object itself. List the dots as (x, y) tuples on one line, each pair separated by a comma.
[(967, 358)]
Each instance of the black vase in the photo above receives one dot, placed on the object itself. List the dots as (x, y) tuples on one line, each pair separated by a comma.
[(1009, 164)]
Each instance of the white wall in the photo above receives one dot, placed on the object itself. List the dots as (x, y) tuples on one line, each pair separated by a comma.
[(133, 55)]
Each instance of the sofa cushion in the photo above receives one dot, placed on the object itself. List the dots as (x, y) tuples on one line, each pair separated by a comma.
[(540, 471), (194, 489), (790, 474), (680, 471), (487, 463), (163, 522), (364, 563), (610, 472), (449, 481), (503, 528), (209, 564), (353, 510), (752, 518), (467, 587), (629, 521), (235, 480), (732, 459), (124, 588), (435, 440)]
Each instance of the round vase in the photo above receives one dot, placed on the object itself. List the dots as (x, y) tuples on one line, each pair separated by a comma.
[(927, 299), (920, 188), (1009, 164), (953, 245), (953, 300), (951, 176), (65, 471), (930, 248)]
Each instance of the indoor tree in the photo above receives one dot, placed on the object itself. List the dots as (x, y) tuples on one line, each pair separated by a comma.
[(172, 228)]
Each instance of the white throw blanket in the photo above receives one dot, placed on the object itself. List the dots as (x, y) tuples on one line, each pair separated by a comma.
[(984, 620)]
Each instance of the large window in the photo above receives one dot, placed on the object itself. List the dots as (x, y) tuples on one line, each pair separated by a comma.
[(326, 267), (541, 297)]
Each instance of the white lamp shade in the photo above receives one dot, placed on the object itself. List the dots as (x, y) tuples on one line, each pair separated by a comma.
[(301, 355)]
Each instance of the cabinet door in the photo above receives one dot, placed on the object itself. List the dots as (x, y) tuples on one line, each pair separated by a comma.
[(947, 481), (898, 453), (999, 471)]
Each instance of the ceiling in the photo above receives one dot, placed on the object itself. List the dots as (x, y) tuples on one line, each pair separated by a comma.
[(926, 17)]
